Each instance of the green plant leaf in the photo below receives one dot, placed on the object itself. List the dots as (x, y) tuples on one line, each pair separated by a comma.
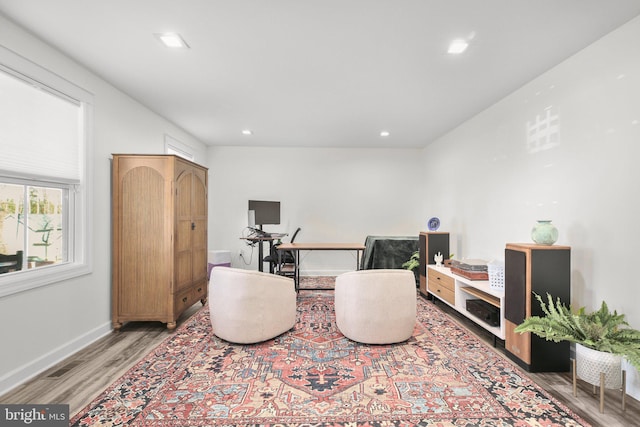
[(600, 330)]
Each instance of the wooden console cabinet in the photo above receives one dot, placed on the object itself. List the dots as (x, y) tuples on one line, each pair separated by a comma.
[(455, 290), (429, 244), (541, 269), (159, 222)]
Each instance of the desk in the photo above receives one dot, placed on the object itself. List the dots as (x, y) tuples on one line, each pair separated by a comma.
[(297, 247), (260, 241)]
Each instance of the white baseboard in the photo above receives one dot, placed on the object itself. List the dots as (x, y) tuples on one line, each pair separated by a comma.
[(25, 372)]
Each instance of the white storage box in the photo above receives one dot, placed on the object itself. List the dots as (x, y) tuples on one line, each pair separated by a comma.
[(218, 259), (496, 275)]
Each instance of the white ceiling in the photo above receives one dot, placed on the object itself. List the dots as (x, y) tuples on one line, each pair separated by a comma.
[(319, 72)]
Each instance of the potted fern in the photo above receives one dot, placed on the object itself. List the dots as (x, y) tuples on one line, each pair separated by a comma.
[(599, 336)]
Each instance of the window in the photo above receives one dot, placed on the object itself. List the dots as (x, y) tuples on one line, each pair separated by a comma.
[(173, 146), (33, 225), (44, 132)]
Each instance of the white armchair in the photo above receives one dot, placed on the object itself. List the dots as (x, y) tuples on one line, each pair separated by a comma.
[(250, 306), (376, 306)]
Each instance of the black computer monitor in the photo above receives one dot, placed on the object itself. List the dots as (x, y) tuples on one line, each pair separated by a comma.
[(264, 212)]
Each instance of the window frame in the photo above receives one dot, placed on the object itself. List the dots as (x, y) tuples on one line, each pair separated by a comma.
[(80, 198), (173, 146)]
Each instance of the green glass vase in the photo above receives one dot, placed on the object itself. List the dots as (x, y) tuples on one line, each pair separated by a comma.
[(544, 233)]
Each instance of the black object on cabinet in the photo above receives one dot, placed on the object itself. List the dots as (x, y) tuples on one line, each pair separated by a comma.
[(529, 269), (429, 244), (387, 251)]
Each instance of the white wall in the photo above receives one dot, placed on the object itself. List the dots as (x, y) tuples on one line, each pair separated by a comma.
[(333, 194), (586, 180), (481, 180), (44, 325)]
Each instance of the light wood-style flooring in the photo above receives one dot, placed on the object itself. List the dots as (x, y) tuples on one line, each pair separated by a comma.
[(83, 376), (560, 385)]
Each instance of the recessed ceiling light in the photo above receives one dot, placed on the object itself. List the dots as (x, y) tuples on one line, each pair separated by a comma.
[(247, 132), (384, 133), (457, 46), (173, 40)]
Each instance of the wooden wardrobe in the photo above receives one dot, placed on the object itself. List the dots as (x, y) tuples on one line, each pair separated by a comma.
[(159, 223)]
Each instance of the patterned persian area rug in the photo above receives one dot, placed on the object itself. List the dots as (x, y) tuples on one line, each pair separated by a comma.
[(317, 283), (313, 376)]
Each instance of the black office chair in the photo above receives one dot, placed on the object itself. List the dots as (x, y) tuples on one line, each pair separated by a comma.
[(285, 257)]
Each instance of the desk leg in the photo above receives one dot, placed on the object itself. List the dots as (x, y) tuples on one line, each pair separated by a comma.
[(270, 252), (357, 259), (260, 255), (279, 262), (296, 267)]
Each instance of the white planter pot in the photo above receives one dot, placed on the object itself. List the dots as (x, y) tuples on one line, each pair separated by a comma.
[(590, 363)]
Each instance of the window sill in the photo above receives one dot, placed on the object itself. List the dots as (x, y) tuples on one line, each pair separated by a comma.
[(13, 283)]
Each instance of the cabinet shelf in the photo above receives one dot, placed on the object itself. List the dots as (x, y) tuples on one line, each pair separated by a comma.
[(495, 301), (461, 290)]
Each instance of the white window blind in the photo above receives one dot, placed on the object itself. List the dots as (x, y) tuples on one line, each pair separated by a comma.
[(46, 124), (41, 133)]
